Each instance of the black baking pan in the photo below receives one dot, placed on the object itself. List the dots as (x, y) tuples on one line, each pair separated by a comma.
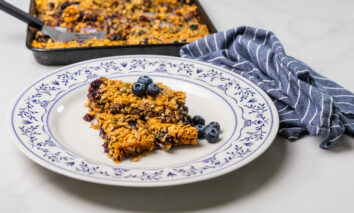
[(71, 55)]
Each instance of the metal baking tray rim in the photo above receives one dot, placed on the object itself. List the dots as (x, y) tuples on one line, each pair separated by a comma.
[(62, 56)]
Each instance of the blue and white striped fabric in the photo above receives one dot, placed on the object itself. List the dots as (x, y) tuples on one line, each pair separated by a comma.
[(306, 101)]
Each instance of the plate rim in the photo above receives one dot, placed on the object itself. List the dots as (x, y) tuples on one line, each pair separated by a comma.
[(86, 178)]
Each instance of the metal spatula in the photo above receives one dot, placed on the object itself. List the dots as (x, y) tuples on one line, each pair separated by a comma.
[(56, 33)]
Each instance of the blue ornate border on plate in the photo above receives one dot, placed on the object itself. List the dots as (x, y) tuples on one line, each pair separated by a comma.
[(259, 121)]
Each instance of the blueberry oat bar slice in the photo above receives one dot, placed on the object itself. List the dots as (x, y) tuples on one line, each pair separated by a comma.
[(169, 135), (116, 97), (124, 136), (128, 136)]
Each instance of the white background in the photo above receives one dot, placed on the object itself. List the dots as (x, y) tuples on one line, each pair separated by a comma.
[(289, 177)]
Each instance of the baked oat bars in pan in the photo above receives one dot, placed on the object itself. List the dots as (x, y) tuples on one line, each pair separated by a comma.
[(125, 22)]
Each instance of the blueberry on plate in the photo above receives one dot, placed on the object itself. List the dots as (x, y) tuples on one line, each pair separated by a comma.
[(138, 89), (153, 89), (201, 129), (214, 124), (211, 134), (198, 120), (146, 80)]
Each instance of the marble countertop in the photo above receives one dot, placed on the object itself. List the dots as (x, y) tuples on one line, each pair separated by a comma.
[(289, 177)]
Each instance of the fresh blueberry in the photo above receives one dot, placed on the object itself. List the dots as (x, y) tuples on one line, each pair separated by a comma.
[(214, 124), (200, 128), (138, 89), (145, 80), (88, 117), (198, 120), (211, 134), (193, 26), (153, 89)]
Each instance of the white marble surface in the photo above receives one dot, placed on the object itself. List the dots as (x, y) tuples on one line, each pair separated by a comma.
[(289, 177)]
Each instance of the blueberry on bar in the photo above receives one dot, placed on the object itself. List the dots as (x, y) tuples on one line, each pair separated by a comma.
[(145, 80)]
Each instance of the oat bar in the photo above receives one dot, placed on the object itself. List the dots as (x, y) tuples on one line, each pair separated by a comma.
[(124, 136), (127, 136), (171, 135), (116, 97), (125, 22)]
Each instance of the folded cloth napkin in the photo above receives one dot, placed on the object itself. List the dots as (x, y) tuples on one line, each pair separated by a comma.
[(306, 101)]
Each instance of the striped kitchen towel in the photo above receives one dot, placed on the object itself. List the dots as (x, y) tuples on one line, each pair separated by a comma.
[(306, 101)]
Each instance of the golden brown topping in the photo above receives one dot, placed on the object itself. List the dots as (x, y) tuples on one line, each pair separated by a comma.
[(132, 125), (128, 136), (125, 22), (172, 134), (115, 96)]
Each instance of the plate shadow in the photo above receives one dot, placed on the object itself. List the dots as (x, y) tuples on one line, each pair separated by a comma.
[(195, 196)]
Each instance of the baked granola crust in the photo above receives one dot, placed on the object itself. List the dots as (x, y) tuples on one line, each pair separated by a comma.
[(128, 136), (125, 22), (124, 135), (132, 125), (115, 96)]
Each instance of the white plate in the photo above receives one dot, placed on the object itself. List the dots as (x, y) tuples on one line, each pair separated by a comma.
[(47, 123)]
